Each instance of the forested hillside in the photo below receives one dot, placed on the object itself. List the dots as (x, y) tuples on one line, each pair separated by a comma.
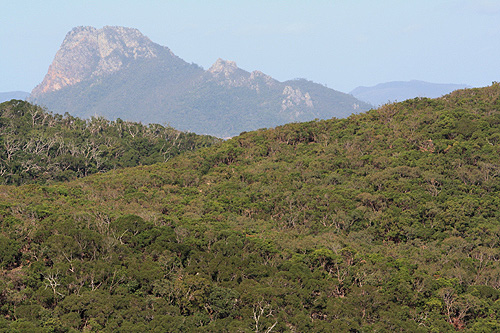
[(38, 146), (384, 221)]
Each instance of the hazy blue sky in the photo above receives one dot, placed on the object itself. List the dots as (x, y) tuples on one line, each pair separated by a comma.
[(340, 43)]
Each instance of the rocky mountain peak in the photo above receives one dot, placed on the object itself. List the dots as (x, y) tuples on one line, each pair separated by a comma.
[(117, 72), (227, 73), (225, 67), (89, 52)]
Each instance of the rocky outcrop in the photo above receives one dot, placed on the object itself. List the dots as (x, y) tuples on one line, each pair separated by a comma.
[(295, 97), (117, 72), (87, 52), (224, 68), (228, 74)]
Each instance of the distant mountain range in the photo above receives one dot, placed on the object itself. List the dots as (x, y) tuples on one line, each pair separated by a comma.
[(7, 96), (384, 93), (118, 72)]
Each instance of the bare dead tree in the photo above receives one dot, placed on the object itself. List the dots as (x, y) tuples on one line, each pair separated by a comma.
[(262, 310)]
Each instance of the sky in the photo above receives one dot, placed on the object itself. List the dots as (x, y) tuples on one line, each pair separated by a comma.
[(342, 44)]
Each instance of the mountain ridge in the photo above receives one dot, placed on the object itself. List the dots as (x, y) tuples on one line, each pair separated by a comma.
[(155, 86), (9, 95), (393, 91)]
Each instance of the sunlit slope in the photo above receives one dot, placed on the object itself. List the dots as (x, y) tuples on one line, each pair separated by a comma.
[(386, 220)]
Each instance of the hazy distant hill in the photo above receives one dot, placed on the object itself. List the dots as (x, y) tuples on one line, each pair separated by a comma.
[(402, 90), (7, 96), (117, 72)]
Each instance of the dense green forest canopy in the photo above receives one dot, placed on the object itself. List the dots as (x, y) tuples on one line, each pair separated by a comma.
[(38, 146), (384, 221)]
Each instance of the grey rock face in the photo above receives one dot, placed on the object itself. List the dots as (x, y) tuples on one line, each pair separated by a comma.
[(87, 52), (118, 72)]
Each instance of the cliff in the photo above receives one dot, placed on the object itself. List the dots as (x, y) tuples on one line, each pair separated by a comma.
[(117, 72)]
